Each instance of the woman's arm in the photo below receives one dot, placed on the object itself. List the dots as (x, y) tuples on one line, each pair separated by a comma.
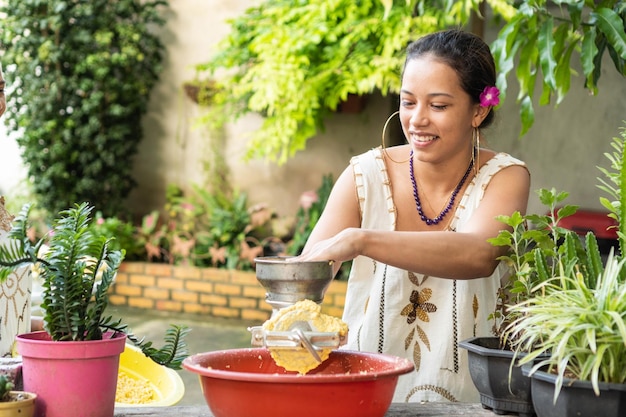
[(464, 254)]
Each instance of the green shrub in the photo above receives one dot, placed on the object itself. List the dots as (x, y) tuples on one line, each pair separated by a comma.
[(79, 75)]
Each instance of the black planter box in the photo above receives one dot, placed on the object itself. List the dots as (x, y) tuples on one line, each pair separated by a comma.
[(490, 368), (576, 397)]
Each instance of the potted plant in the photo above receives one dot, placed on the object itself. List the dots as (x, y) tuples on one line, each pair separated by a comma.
[(534, 241), (573, 328), (581, 323), (544, 258), (15, 403), (76, 273)]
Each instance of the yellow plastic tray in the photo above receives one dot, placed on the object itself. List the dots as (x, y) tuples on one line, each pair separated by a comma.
[(166, 382)]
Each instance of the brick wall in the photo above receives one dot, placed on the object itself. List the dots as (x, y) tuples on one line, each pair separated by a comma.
[(206, 291)]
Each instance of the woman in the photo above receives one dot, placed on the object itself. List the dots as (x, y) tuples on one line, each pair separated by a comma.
[(416, 220)]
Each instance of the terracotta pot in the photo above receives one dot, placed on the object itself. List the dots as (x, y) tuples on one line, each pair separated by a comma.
[(71, 378), (22, 404)]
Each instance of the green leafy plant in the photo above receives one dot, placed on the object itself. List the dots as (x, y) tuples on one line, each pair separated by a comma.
[(320, 51), (77, 269), (581, 326), (573, 319), (125, 234), (295, 62), (79, 76), (543, 36), (228, 232), (614, 184), (539, 250), (5, 388)]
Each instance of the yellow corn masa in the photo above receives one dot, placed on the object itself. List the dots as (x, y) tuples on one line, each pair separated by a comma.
[(300, 359), (133, 391)]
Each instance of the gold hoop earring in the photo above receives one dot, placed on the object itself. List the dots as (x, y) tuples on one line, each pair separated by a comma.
[(383, 139), (476, 149)]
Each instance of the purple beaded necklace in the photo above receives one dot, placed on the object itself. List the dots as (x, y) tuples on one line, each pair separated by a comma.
[(445, 211)]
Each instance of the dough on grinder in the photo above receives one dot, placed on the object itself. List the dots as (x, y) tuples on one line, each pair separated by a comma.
[(300, 359)]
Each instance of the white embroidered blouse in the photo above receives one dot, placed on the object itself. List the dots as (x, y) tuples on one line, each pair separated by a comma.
[(419, 317)]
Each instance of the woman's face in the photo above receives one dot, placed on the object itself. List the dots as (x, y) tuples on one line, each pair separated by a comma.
[(437, 115)]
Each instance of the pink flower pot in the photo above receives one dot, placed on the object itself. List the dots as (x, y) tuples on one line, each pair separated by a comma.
[(71, 378)]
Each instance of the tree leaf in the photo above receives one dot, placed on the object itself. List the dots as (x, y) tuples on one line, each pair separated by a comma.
[(526, 70), (527, 114), (563, 72), (546, 57), (612, 25)]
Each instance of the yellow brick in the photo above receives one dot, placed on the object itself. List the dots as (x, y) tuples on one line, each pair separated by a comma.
[(122, 277), (227, 289), (199, 286), (242, 302), (255, 315), (254, 292), (212, 299), (196, 308), (132, 267), (215, 274), (162, 270), (185, 296), (187, 272), (164, 305), (117, 300), (171, 283), (142, 280), (226, 312), (130, 290), (243, 278), (156, 293), (264, 306), (141, 303)]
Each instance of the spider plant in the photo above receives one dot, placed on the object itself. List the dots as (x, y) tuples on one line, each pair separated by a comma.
[(77, 270), (582, 327)]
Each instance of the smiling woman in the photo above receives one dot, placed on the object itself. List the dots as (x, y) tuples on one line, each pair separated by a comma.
[(415, 220)]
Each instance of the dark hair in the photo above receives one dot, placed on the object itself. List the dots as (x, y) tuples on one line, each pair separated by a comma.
[(465, 53)]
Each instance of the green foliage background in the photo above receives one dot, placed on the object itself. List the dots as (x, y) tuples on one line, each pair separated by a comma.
[(79, 76), (295, 61)]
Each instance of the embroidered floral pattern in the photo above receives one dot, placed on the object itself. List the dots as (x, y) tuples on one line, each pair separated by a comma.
[(418, 308)]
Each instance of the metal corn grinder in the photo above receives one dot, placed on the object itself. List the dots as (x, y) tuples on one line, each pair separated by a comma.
[(286, 283)]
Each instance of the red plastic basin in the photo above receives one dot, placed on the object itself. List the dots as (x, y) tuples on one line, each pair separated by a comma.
[(247, 382)]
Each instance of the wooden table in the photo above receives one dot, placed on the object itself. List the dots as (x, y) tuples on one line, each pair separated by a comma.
[(396, 410)]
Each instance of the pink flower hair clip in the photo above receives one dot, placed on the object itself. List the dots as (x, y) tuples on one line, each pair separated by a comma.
[(490, 96)]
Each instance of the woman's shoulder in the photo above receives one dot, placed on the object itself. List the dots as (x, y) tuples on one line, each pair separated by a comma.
[(499, 159)]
